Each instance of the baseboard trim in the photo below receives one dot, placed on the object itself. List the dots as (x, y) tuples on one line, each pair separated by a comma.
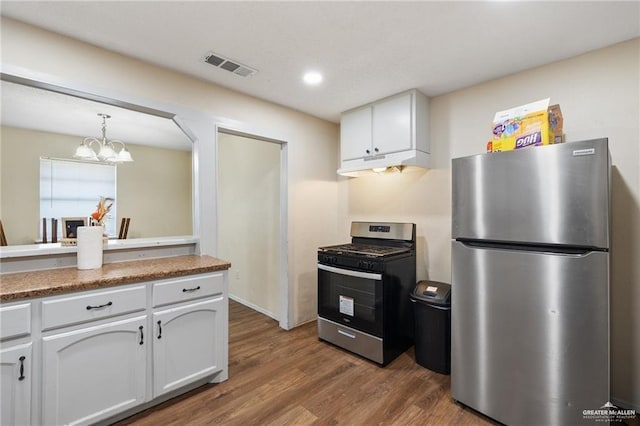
[(253, 306), (307, 321)]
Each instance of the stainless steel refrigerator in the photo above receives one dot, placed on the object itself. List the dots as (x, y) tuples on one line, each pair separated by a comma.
[(530, 282)]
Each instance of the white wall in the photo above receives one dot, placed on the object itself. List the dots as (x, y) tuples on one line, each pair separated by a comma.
[(249, 219), (313, 144), (599, 96), (155, 192)]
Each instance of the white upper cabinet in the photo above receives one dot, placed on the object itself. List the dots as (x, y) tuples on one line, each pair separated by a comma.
[(392, 130), (355, 127), (386, 133)]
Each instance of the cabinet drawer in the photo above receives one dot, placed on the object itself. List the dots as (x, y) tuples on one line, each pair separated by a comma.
[(187, 288), (15, 321), (89, 307)]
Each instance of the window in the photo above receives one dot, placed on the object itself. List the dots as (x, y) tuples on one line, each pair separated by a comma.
[(70, 188)]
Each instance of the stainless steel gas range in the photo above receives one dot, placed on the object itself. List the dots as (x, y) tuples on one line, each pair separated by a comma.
[(363, 290)]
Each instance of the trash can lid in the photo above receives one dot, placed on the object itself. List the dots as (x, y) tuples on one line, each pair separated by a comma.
[(432, 292)]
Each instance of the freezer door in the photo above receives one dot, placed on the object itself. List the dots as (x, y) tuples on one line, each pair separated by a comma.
[(555, 194), (530, 334)]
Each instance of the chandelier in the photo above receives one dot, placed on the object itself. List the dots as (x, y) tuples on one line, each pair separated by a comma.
[(94, 149)]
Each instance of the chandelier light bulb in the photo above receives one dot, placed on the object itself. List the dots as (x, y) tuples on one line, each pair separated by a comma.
[(106, 149)]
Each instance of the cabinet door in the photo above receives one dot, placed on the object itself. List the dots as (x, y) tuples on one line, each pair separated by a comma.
[(392, 125), (15, 381), (355, 134), (187, 343), (93, 373)]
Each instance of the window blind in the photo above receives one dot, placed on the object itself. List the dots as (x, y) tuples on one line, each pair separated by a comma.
[(71, 188)]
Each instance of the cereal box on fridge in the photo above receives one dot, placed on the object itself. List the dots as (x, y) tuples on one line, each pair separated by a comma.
[(523, 126)]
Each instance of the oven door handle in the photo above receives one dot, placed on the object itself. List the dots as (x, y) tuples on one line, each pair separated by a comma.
[(349, 272), (347, 334)]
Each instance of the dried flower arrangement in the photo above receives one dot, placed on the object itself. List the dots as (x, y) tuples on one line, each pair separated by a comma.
[(102, 209)]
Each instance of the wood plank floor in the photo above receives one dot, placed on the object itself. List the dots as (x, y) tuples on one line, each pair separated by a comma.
[(282, 377)]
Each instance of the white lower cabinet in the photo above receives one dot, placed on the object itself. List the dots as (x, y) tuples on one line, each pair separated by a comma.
[(15, 382), (95, 372), (97, 355), (188, 343)]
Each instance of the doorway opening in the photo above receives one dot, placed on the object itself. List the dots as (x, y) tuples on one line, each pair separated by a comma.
[(252, 221)]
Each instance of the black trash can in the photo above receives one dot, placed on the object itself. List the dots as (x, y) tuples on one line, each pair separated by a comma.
[(432, 311)]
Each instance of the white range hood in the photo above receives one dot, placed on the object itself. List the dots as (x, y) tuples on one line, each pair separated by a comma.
[(393, 162)]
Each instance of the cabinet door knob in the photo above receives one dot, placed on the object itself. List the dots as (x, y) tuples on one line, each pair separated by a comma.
[(141, 335), (368, 152), (22, 358), (376, 149), (159, 329)]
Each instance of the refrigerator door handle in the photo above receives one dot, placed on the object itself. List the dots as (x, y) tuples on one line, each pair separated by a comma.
[(532, 248)]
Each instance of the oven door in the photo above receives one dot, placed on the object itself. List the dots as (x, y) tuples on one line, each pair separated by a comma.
[(352, 298)]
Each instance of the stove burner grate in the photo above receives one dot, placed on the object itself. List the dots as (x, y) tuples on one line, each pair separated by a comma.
[(365, 249)]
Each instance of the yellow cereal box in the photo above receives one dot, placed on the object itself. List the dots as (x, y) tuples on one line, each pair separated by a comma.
[(523, 126)]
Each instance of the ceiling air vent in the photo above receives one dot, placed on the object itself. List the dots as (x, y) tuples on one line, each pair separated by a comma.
[(229, 65)]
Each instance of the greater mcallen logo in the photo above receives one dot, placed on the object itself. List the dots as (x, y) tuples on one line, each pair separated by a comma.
[(609, 413)]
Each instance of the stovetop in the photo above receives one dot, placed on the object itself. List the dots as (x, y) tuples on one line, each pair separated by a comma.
[(368, 250)]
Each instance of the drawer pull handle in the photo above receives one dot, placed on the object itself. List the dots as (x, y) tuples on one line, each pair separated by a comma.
[(21, 368), (141, 335), (159, 329), (89, 307), (190, 290), (349, 335)]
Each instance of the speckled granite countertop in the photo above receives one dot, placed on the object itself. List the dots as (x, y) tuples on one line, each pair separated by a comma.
[(57, 281)]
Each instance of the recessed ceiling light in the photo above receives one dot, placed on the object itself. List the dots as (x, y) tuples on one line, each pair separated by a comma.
[(312, 78)]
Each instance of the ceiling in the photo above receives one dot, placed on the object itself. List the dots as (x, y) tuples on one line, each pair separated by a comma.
[(365, 50), (37, 109)]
